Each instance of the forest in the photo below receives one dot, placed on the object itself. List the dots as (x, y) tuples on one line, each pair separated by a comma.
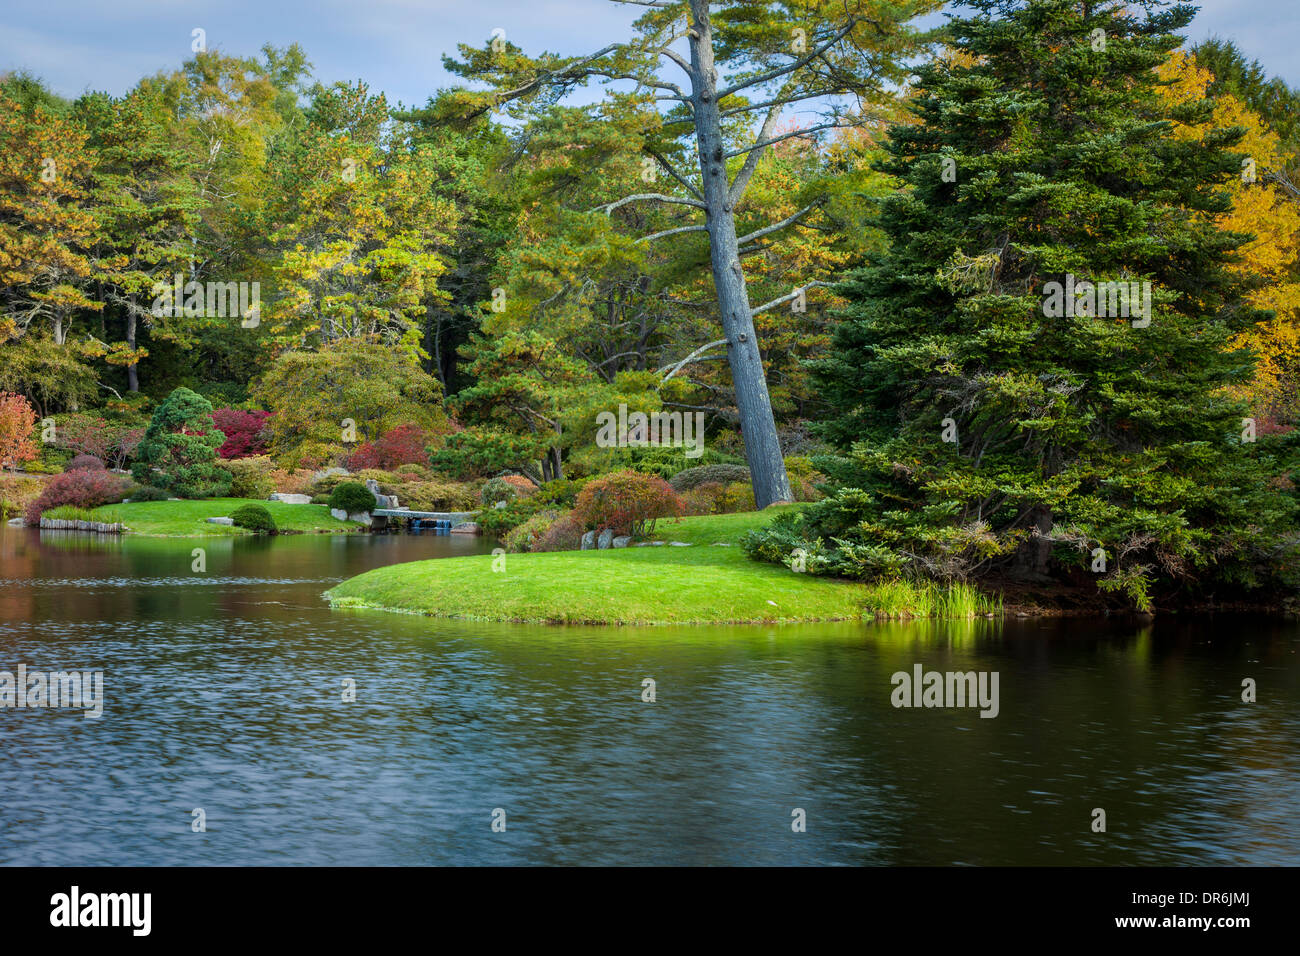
[(826, 234)]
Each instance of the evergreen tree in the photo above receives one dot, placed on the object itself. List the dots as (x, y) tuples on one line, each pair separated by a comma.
[(989, 426), (179, 449)]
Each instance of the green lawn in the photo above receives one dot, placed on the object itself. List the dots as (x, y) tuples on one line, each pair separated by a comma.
[(704, 583), (189, 518)]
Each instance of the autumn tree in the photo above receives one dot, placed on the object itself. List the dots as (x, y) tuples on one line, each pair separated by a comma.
[(17, 424)]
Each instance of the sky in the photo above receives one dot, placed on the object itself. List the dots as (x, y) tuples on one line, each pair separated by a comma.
[(396, 46)]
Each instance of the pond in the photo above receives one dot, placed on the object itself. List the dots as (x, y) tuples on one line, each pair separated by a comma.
[(224, 692)]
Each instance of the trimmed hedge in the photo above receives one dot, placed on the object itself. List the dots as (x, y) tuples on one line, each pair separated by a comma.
[(254, 518), (352, 497)]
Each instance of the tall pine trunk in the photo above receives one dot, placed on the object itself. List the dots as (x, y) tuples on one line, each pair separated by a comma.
[(762, 447), (132, 371)]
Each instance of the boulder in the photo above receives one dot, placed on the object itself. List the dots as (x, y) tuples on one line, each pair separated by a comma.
[(605, 540), (465, 527), (381, 500), (225, 521), (622, 541), (362, 517), (290, 499), (338, 514), (588, 541)]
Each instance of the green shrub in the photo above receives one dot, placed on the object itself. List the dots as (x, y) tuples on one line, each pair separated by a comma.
[(254, 518), (325, 484), (629, 502), (564, 534), (667, 460), (498, 522), (148, 493), (179, 449), (42, 467), (523, 537), (719, 474), (320, 499), (352, 497), (495, 490), (251, 477), (562, 492), (16, 493), (437, 496), (804, 478)]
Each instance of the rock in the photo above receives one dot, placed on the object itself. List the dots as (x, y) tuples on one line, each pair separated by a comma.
[(679, 544), (605, 540), (327, 472), (290, 499), (622, 541), (500, 504), (226, 521), (381, 500), (465, 527), (17, 522), (361, 516), (339, 514), (588, 541)]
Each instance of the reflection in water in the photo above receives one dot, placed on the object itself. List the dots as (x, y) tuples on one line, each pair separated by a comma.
[(224, 691)]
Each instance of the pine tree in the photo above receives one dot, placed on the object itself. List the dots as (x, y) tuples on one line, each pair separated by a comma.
[(988, 426)]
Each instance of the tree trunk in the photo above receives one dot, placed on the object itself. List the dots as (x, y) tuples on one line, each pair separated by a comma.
[(132, 373), (762, 447)]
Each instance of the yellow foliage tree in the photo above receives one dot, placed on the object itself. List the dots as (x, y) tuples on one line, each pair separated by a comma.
[(1268, 213)]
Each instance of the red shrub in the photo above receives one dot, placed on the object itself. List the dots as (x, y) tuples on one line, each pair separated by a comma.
[(243, 431), (522, 485), (83, 488), (405, 445), (629, 502), (84, 463)]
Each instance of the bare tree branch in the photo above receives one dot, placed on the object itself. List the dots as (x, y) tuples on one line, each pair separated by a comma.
[(793, 295), (693, 357), (738, 184), (668, 168), (673, 232), (802, 61), (766, 230), (658, 197), (762, 143)]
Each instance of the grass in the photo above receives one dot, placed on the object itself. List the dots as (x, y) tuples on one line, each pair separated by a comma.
[(189, 518), (107, 514), (701, 584), (898, 600)]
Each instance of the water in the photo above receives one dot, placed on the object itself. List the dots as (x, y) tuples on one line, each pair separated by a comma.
[(224, 692)]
